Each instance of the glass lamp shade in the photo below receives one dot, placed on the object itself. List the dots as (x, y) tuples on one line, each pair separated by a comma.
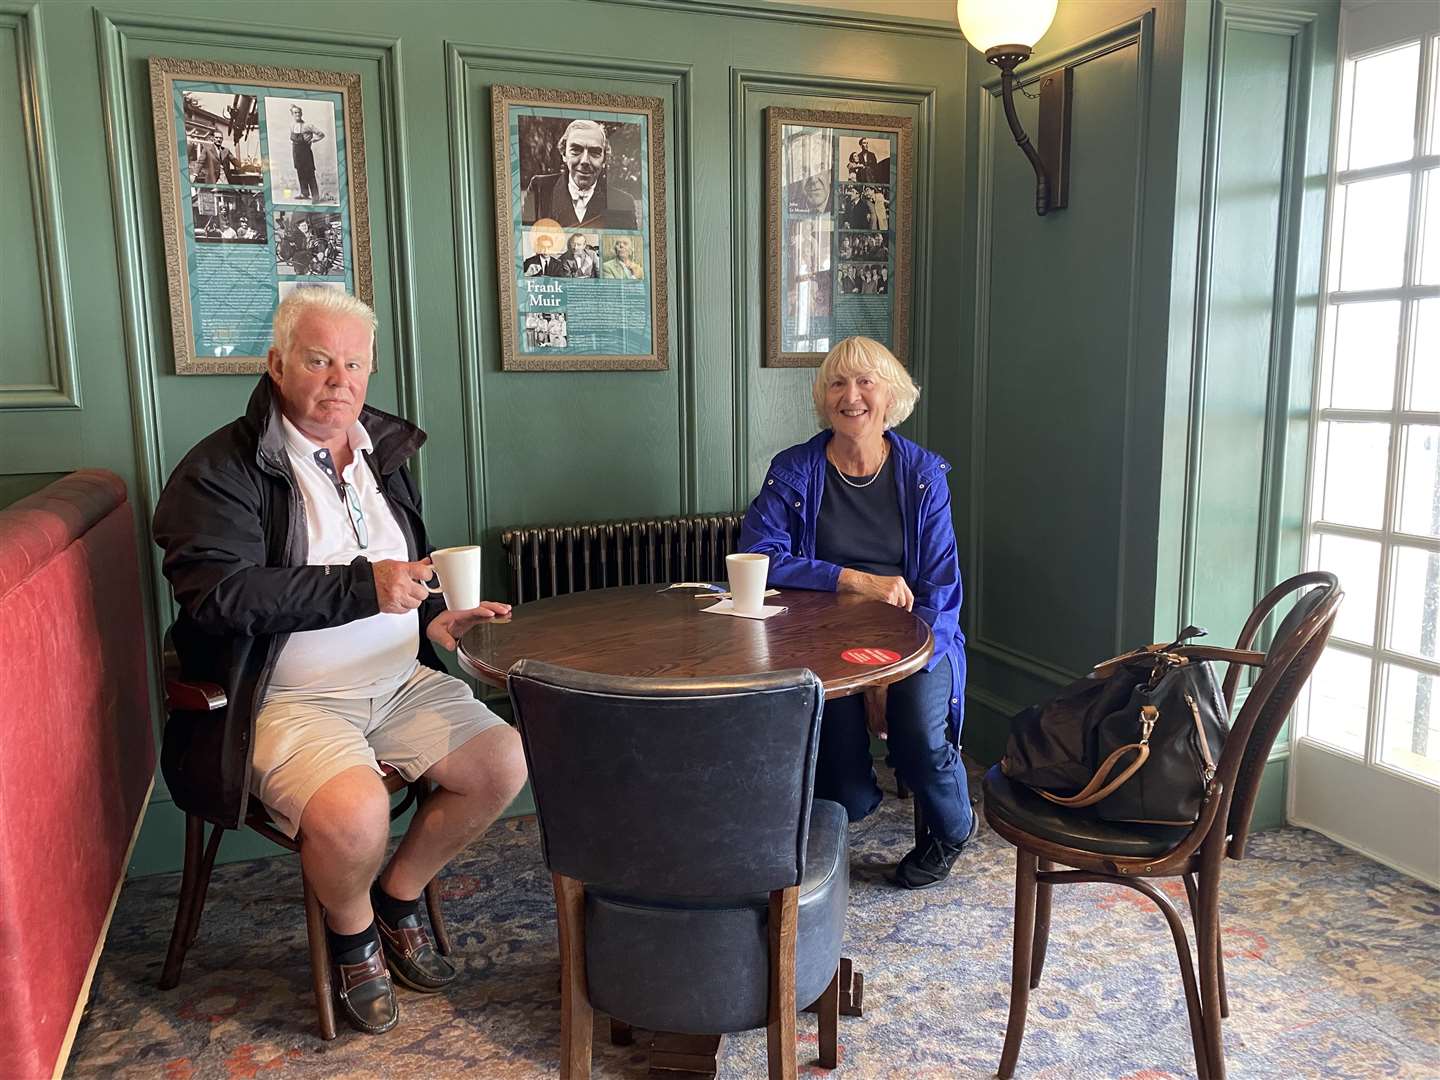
[(988, 23)]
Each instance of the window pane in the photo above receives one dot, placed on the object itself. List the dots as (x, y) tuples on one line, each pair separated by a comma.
[(1357, 564), (1410, 732), (1382, 107), (1430, 229), (1371, 220), (1414, 600), (1420, 480), (1339, 699), (1352, 459), (1363, 342), (1424, 368), (1432, 121)]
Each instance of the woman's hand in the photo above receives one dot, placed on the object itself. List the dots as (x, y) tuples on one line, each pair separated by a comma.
[(889, 590), (447, 628)]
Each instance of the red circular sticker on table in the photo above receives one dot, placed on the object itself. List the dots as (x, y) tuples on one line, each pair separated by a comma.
[(869, 657)]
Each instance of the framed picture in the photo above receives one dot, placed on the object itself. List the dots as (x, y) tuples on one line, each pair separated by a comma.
[(262, 191), (580, 230), (839, 228)]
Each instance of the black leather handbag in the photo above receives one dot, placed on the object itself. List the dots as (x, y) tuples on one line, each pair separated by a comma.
[(1137, 739)]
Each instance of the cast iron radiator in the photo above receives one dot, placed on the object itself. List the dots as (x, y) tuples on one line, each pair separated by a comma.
[(550, 560)]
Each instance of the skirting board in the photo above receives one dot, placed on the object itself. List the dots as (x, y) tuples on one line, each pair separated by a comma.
[(83, 999)]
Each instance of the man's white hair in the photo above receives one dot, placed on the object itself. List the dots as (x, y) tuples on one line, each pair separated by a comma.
[(316, 298), (586, 125)]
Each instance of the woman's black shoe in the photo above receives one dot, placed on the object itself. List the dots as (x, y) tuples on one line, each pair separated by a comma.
[(930, 863)]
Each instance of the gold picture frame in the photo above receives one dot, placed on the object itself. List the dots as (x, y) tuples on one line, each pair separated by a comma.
[(569, 300), (839, 232), (244, 224)]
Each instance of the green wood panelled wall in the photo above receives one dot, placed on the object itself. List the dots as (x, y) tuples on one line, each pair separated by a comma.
[(1123, 386), (1141, 383), (506, 448)]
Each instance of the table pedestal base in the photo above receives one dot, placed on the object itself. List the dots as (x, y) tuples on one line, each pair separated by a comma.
[(673, 1053)]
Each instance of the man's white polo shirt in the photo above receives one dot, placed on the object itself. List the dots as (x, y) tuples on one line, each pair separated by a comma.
[(368, 657)]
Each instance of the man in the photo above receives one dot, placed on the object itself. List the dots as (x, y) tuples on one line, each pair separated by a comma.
[(579, 261), (862, 163), (622, 265), (879, 213), (212, 159), (295, 249), (295, 547), (580, 195), (811, 195), (543, 262)]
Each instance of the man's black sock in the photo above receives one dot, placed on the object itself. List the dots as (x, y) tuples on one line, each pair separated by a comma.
[(350, 948), (390, 909)]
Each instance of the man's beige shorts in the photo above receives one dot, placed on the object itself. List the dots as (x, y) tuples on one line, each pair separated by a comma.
[(301, 742)]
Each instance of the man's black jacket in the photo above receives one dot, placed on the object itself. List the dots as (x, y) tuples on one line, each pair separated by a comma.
[(233, 528)]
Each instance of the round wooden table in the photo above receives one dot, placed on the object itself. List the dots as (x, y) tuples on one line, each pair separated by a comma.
[(635, 630)]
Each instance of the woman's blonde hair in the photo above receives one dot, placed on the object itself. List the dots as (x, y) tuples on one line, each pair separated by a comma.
[(866, 356)]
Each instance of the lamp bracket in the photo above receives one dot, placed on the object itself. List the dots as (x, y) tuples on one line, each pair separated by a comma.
[(1051, 161)]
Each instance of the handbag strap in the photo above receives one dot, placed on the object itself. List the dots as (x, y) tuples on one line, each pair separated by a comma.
[(1247, 657), (1097, 788)]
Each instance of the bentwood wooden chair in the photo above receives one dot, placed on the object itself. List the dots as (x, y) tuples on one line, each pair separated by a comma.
[(200, 860), (1099, 851)]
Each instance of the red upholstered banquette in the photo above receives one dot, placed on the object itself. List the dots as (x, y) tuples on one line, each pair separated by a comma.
[(78, 750)]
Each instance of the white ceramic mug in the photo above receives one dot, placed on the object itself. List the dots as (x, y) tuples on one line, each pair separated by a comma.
[(747, 572), (459, 570)]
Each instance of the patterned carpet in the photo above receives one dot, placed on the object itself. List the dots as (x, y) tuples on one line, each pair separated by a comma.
[(1333, 963)]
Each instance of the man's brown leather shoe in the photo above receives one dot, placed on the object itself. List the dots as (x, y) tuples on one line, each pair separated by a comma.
[(366, 996), (414, 960)]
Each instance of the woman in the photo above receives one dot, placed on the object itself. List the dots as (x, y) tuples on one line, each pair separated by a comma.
[(861, 509), (302, 135)]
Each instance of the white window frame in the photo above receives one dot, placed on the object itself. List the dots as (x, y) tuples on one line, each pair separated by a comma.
[(1367, 30)]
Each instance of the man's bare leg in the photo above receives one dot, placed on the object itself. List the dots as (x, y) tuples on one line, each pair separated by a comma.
[(344, 829), (473, 785)]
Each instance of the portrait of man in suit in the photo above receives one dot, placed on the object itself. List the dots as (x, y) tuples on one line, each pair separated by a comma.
[(579, 261), (581, 194), (544, 263), (622, 262)]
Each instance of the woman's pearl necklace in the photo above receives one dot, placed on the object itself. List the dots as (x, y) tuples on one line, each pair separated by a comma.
[(881, 468)]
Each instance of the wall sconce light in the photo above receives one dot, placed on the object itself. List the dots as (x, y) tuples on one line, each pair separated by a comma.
[(1006, 32)]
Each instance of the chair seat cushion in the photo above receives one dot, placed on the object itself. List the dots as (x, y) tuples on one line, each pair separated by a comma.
[(1018, 805), (703, 967)]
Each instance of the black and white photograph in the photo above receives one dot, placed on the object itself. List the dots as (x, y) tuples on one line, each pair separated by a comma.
[(864, 278), (309, 242), (866, 159), (808, 299), (546, 330), (222, 137), (810, 246), (300, 133), (227, 216), (580, 173), (288, 287), (865, 206), (864, 246), (810, 171), (621, 257)]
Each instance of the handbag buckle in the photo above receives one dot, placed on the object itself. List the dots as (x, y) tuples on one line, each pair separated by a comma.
[(1149, 716)]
